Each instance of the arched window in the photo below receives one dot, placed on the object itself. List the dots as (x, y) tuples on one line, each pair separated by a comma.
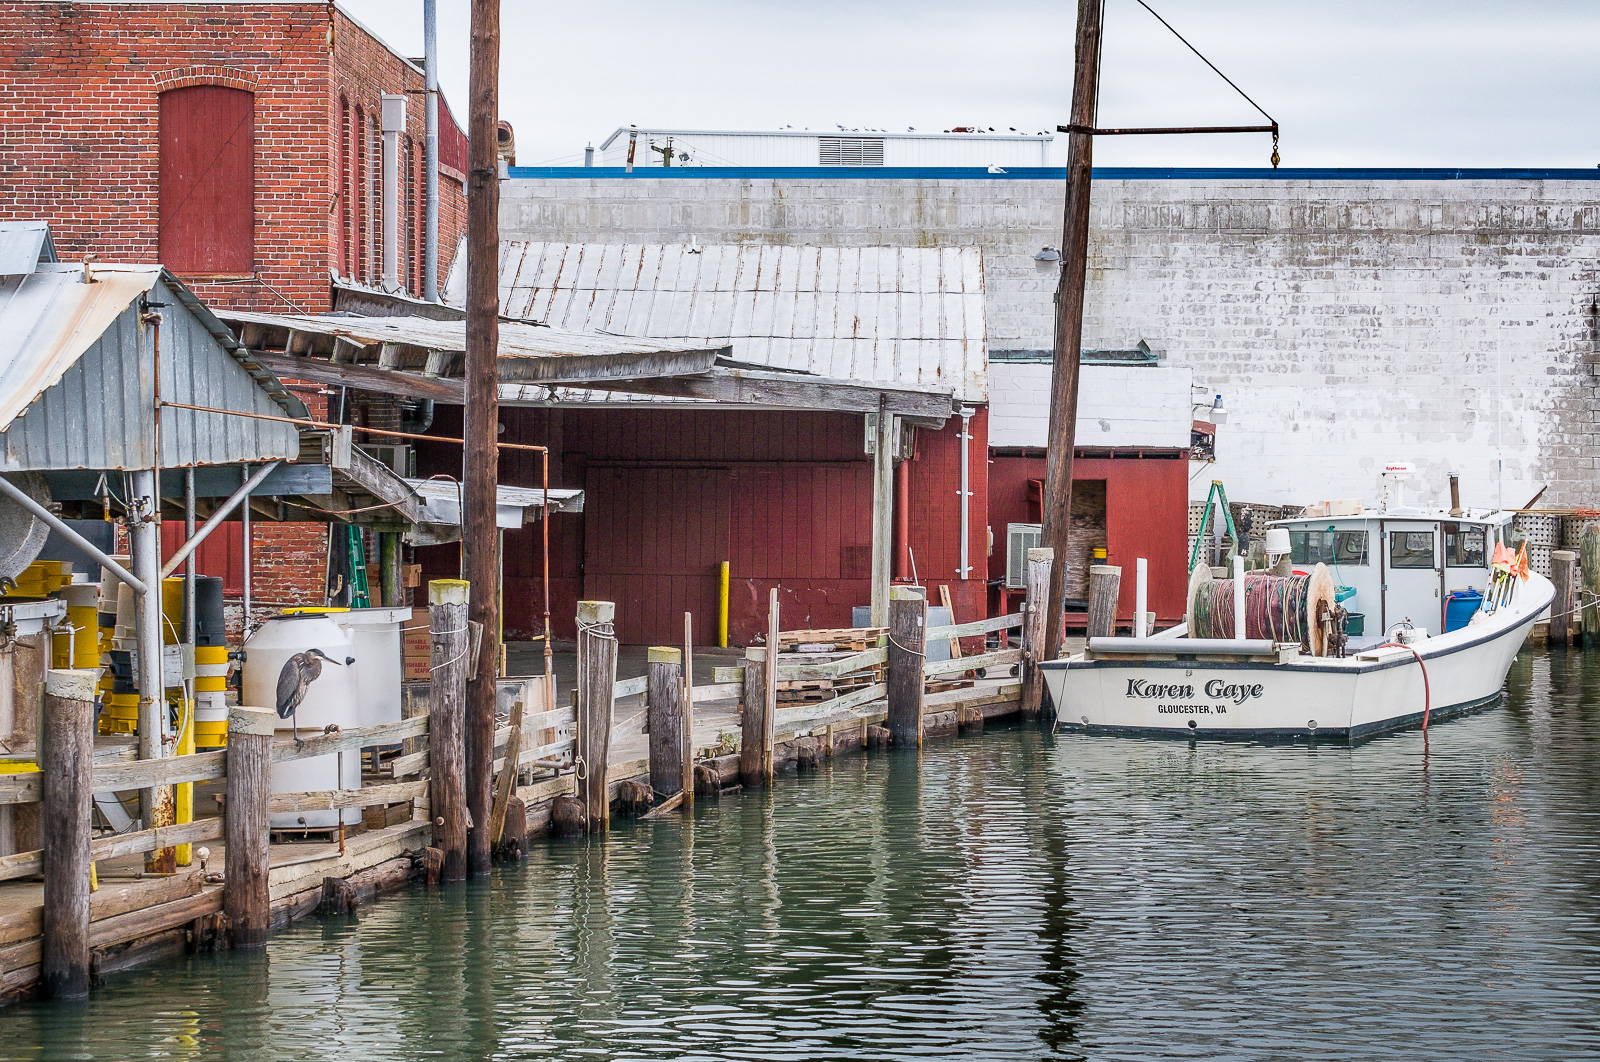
[(207, 180), (358, 196), (343, 187)]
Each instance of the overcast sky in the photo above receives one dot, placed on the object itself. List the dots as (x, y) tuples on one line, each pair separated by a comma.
[(1353, 82)]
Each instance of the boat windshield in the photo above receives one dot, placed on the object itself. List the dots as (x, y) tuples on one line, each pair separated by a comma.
[(1328, 546)]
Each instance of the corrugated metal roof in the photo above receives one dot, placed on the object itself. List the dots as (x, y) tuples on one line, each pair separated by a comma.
[(517, 339), (910, 317), (23, 245), (76, 381)]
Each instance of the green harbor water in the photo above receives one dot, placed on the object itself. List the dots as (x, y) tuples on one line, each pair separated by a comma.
[(1008, 896)]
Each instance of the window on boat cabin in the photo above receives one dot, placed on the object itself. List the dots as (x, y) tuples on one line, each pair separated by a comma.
[(1328, 547), (1464, 548), (1411, 549)]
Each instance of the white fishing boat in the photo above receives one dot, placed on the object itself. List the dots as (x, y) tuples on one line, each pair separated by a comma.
[(1378, 620)]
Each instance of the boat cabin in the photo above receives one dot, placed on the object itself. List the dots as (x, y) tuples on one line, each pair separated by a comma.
[(1402, 564)]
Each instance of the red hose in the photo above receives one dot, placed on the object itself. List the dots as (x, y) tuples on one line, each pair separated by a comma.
[(1427, 693)]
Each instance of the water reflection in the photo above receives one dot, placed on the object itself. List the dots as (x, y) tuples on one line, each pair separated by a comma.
[(1014, 896)]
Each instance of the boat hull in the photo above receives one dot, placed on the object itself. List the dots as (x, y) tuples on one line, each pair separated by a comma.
[(1301, 698)]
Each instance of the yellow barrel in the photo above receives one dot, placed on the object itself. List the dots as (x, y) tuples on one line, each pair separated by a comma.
[(172, 610), (210, 668), (210, 721), (120, 714)]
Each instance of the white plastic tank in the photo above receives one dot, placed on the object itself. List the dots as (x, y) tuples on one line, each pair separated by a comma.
[(375, 638), (330, 699)]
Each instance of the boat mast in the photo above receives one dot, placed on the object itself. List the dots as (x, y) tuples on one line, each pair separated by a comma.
[(1057, 515)]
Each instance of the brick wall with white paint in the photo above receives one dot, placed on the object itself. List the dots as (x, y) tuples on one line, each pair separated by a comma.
[(1347, 321)]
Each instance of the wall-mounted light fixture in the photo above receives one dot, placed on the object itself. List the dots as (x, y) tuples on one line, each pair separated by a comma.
[(1047, 254)]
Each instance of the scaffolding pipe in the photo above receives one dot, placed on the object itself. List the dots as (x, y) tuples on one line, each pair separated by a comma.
[(244, 519), (145, 533), (66, 531), (430, 152), (216, 519)]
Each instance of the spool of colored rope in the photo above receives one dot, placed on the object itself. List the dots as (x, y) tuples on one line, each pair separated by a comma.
[(1277, 608)]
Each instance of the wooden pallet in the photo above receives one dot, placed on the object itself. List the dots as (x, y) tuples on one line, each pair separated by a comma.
[(857, 639)]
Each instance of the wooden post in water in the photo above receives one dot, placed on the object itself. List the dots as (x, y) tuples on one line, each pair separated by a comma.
[(447, 695), (597, 688), (480, 423), (686, 753), (1589, 563), (664, 708), (1105, 583), (67, 764), (1564, 574), (908, 630), (754, 753), (245, 898), (1040, 560)]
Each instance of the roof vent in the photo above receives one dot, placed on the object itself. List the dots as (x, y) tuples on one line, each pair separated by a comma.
[(850, 151)]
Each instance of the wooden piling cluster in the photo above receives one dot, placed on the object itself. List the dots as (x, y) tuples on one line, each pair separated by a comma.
[(547, 779)]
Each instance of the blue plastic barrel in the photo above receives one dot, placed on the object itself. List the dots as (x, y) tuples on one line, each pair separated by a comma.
[(1459, 608)]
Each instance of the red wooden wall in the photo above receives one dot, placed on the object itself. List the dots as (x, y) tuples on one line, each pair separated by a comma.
[(785, 498), (1147, 515), (207, 180)]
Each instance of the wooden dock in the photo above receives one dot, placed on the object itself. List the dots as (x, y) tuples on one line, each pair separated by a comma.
[(864, 689)]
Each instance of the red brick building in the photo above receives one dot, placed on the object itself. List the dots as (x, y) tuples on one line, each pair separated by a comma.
[(238, 144)]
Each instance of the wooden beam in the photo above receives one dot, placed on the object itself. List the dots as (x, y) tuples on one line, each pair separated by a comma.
[(365, 377), (246, 868), (882, 513), (908, 629), (788, 391)]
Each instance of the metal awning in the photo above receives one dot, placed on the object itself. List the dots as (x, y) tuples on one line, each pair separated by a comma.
[(423, 358)]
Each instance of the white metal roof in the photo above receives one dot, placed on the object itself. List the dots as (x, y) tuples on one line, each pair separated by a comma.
[(23, 245), (887, 134), (518, 339), (908, 317)]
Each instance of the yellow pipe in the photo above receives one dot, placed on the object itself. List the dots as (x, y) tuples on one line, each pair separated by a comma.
[(722, 606), (183, 795)]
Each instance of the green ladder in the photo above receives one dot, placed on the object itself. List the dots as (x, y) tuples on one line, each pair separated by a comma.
[(1217, 496)]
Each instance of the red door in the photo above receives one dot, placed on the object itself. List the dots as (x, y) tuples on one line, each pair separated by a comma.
[(207, 208), (654, 539)]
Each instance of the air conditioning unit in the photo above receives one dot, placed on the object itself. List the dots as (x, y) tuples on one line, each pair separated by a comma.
[(400, 458), (1020, 538)]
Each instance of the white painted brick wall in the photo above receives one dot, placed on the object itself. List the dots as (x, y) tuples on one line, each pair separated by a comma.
[(1347, 322), (1118, 406)]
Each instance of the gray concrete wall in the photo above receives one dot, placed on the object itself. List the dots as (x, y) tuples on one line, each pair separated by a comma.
[(1347, 322)]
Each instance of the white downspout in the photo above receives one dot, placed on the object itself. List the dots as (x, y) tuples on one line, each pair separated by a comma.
[(394, 123), (965, 570)]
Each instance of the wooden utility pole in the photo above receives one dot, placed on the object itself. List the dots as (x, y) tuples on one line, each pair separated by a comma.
[(1069, 319), (1105, 585), (480, 540)]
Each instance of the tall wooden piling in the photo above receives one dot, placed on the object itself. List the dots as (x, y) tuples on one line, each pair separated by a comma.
[(686, 752), (1039, 562), (68, 764), (597, 687), (245, 897), (1564, 575), (1105, 584), (447, 694), (664, 707), (908, 630), (755, 749), (1589, 563)]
